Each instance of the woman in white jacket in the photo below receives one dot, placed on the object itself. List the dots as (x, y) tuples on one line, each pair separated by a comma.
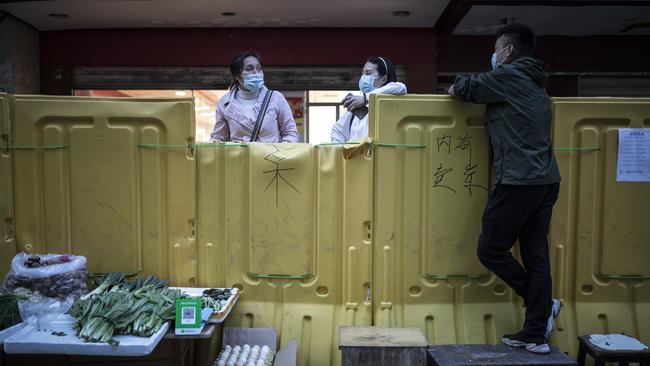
[(377, 77)]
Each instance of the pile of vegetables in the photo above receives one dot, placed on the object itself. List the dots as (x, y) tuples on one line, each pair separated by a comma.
[(215, 298), (245, 356), (118, 307)]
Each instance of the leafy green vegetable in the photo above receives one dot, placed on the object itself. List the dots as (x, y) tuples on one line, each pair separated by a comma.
[(9, 314), (109, 281), (115, 307)]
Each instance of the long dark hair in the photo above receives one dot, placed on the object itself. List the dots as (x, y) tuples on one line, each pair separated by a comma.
[(237, 65), (384, 67)]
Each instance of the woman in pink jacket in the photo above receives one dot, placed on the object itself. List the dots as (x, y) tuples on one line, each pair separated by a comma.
[(251, 112)]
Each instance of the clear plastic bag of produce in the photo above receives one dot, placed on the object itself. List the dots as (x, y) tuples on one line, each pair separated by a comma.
[(51, 275), (37, 308)]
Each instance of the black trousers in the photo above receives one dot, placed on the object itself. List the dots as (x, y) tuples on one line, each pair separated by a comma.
[(521, 212)]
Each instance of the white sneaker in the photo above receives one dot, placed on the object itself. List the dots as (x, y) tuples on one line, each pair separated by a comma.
[(556, 306), (531, 344), (543, 348)]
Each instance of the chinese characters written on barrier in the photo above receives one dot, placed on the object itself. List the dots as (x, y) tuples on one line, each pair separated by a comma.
[(443, 173), (276, 158)]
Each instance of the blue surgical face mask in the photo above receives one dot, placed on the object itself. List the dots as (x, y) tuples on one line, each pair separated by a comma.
[(494, 61), (253, 82), (366, 83)]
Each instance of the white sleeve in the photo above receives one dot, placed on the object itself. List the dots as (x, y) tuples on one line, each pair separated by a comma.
[(341, 129), (396, 88)]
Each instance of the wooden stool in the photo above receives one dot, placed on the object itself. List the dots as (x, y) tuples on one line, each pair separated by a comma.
[(375, 346), (601, 355)]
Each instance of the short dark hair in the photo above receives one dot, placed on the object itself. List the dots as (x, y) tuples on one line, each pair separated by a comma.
[(237, 64), (384, 67), (522, 38)]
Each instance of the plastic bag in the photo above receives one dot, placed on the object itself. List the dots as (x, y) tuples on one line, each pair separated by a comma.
[(40, 307), (51, 275), (63, 263)]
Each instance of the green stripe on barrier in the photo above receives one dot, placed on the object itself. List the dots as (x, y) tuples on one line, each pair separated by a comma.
[(456, 277), (407, 146), (163, 146), (631, 277), (33, 147), (586, 149), (279, 276)]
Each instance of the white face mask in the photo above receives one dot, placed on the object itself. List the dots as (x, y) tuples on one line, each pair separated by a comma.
[(366, 83)]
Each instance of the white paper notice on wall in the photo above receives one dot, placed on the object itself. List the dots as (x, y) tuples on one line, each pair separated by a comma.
[(633, 163)]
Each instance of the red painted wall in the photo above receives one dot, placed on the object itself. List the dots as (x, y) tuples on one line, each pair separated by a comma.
[(61, 50), (418, 49)]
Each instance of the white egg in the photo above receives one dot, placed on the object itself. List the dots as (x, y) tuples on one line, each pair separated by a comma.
[(265, 348), (230, 363), (221, 363), (238, 348), (260, 363), (228, 348), (256, 347), (247, 347)]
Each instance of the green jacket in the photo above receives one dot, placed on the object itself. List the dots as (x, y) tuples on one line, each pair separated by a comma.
[(517, 120)]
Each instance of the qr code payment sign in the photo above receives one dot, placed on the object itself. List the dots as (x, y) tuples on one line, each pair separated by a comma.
[(188, 315)]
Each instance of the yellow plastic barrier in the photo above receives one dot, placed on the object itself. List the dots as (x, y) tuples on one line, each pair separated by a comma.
[(289, 224), (600, 238), (600, 232), (314, 240), (90, 180), (428, 208), (7, 241)]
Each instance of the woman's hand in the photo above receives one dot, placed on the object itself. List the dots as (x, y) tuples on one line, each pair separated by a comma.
[(351, 102)]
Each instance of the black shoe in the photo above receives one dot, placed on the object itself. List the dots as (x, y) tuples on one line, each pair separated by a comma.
[(532, 344)]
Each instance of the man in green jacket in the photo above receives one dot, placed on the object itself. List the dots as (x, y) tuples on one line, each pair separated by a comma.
[(518, 125)]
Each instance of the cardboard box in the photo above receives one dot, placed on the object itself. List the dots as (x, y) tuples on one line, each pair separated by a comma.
[(287, 356)]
